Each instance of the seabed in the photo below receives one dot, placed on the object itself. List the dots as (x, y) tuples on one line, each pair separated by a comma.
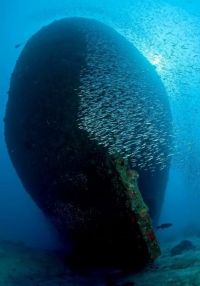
[(25, 266)]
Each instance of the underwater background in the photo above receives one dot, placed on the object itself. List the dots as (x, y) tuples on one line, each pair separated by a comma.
[(167, 33)]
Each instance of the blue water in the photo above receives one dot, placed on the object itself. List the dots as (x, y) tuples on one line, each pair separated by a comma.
[(167, 33)]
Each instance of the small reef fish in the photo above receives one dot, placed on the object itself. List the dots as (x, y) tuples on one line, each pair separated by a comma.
[(164, 225)]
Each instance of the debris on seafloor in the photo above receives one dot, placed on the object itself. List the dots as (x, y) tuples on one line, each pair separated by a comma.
[(183, 246)]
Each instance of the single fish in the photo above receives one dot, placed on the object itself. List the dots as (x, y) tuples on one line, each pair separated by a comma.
[(18, 45), (164, 225)]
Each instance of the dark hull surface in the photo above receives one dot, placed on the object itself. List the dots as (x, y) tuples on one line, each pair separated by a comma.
[(61, 164)]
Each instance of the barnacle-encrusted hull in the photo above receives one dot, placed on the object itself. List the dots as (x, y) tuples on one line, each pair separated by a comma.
[(66, 129)]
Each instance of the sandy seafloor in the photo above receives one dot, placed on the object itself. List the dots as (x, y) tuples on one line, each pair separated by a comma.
[(25, 266)]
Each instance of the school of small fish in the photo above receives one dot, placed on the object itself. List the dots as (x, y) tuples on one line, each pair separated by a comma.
[(122, 105), (169, 37)]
